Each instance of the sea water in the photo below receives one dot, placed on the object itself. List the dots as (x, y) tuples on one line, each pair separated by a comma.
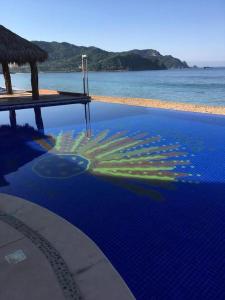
[(200, 86)]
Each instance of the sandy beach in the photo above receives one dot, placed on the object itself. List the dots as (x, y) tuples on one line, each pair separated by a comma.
[(154, 103)]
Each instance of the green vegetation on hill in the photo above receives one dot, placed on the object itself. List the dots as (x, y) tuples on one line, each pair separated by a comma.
[(65, 57)]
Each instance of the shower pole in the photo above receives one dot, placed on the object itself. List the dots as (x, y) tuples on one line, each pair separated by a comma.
[(85, 74), (86, 92)]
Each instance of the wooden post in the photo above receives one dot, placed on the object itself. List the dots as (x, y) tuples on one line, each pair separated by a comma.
[(34, 80), (38, 119), (12, 118), (6, 73)]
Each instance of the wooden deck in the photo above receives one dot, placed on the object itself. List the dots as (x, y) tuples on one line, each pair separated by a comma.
[(20, 100)]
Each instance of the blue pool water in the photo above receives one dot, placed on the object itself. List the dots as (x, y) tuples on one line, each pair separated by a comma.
[(204, 86), (148, 187)]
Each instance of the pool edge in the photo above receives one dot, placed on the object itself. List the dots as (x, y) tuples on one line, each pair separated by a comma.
[(93, 273), (160, 104)]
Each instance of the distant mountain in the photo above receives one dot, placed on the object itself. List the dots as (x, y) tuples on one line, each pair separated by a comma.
[(67, 57)]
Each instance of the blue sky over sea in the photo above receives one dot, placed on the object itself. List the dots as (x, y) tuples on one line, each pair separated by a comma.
[(191, 30)]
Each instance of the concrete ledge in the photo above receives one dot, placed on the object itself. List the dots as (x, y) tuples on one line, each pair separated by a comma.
[(42, 256)]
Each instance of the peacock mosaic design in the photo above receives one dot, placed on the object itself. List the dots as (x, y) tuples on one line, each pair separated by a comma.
[(136, 161)]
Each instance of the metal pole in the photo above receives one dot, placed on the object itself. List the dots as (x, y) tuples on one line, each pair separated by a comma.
[(86, 121), (87, 77), (83, 70), (89, 120), (85, 74)]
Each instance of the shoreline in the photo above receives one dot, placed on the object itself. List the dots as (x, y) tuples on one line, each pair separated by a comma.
[(155, 103)]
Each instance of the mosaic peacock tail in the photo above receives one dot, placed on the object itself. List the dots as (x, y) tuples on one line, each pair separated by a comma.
[(137, 162)]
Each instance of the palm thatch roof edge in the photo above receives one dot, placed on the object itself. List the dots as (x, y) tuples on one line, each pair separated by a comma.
[(15, 49)]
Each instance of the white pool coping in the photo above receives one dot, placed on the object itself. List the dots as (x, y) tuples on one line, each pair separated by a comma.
[(33, 235)]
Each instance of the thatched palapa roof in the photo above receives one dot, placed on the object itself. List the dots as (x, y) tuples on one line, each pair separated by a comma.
[(15, 49)]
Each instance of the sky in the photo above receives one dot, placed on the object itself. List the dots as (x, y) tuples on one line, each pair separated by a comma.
[(192, 30)]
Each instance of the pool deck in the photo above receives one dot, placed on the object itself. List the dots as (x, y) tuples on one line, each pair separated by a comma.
[(42, 256), (23, 99), (154, 103)]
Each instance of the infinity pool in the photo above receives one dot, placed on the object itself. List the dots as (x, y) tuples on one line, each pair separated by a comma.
[(147, 185)]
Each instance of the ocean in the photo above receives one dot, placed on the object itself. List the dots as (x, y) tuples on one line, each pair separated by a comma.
[(200, 86)]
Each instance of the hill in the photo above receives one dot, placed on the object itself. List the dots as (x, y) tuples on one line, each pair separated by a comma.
[(65, 57)]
